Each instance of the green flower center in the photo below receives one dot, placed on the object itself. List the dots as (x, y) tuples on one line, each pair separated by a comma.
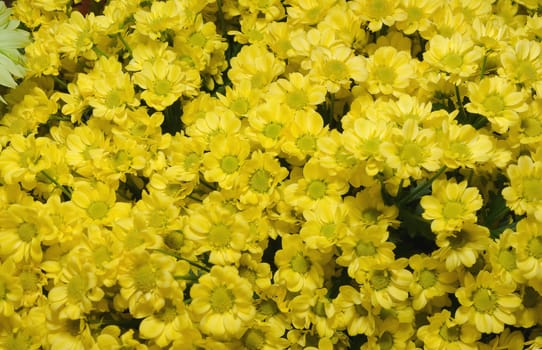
[(378, 9), (27, 231), (258, 80), (29, 281), (197, 39), (452, 210), (459, 240), (494, 104), (190, 160), (484, 300), (247, 273), (174, 240), (535, 247), (297, 99), (532, 189), (76, 289), (380, 279), (97, 210), (460, 150), (452, 60), (162, 87), (220, 235), (300, 263), (221, 299), (364, 248), (385, 341), (371, 146), (113, 100), (306, 143), (240, 106), (370, 215), (385, 74), (507, 258), (336, 70), (167, 314), (144, 278), (316, 189), (450, 334), (414, 14), (268, 308), (272, 130), (344, 158), (319, 309), (412, 154), (427, 278), (253, 339), (531, 127), (328, 230), (526, 71), (260, 181), (101, 255), (229, 164)]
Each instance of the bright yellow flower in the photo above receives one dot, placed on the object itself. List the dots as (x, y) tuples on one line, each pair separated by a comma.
[(298, 92), (165, 82), (443, 332), (314, 308), (263, 336), (419, 15), (301, 136), (354, 311), (269, 124), (456, 56), (390, 334), (273, 9), (220, 123), (498, 100), (308, 12), (388, 283), (224, 161), (524, 195), (159, 212), (241, 99), (463, 146), (521, 63), (486, 303), (367, 208), (10, 288), (461, 248), (167, 324), (379, 12), (529, 251), (222, 303), (76, 36), (155, 21), (451, 205), (529, 129), (503, 258), (529, 313), (389, 71), (256, 64)]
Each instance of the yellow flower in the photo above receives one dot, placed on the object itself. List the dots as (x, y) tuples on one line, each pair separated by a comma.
[(268, 125), (354, 311), (221, 123), (256, 64), (529, 250), (389, 71), (76, 291), (11, 291), (273, 9), (503, 257), (160, 17), (167, 324), (419, 15), (263, 336), (461, 248), (308, 12), (486, 303), (76, 36), (336, 66), (299, 268), (379, 12), (443, 332), (388, 283), (297, 92), (531, 307), (241, 99), (497, 100), (431, 280), (450, 205), (390, 334), (301, 136), (521, 62), (165, 82), (367, 208), (224, 161), (222, 303), (529, 129), (313, 308), (524, 195), (456, 56), (463, 146)]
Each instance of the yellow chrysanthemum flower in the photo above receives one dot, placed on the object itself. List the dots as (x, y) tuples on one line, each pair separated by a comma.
[(388, 283), (77, 36), (354, 311), (168, 324), (390, 334), (256, 64), (503, 258), (222, 303), (498, 100), (367, 208), (521, 62), (529, 251), (464, 146), (389, 71), (157, 19), (379, 12), (12, 291), (443, 332), (486, 303), (431, 280), (241, 98), (524, 195), (450, 205), (419, 15), (301, 136), (298, 92), (268, 125), (308, 12)]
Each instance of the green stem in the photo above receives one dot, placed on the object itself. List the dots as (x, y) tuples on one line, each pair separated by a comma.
[(177, 256), (123, 41), (483, 69), (459, 102), (412, 195), (220, 15), (60, 82), (99, 52), (62, 188)]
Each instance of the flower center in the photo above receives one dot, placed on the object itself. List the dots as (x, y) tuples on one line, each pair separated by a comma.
[(494, 104), (450, 334), (162, 87), (328, 230), (385, 74), (297, 99), (336, 70), (526, 72), (144, 278), (240, 106), (29, 281), (507, 258), (76, 289), (371, 146), (190, 160), (458, 240), (484, 300), (259, 181), (414, 14), (268, 308), (229, 164), (306, 143), (535, 247), (97, 210), (113, 99), (378, 9), (253, 339), (531, 127), (27, 231), (174, 240), (101, 255), (316, 189), (412, 154), (197, 39), (300, 263), (221, 299), (427, 278), (272, 130), (460, 150), (219, 235), (380, 279), (361, 310), (365, 248), (452, 60), (167, 314), (258, 80), (386, 341), (452, 210), (319, 309), (370, 215), (532, 189)]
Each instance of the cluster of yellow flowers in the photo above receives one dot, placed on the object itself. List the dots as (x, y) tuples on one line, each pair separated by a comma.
[(267, 174)]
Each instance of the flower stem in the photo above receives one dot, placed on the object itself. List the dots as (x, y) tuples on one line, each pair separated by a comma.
[(414, 194), (177, 256), (64, 190)]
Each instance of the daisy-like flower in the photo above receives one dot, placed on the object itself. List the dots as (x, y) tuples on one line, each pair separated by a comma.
[(431, 280), (388, 283), (443, 332), (521, 63), (456, 56), (354, 311), (10, 288), (529, 250), (301, 136), (389, 71), (524, 195), (11, 40), (497, 100), (486, 303), (222, 303), (269, 124), (256, 64), (419, 15), (390, 334), (297, 92), (464, 146), (450, 205), (379, 12)]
